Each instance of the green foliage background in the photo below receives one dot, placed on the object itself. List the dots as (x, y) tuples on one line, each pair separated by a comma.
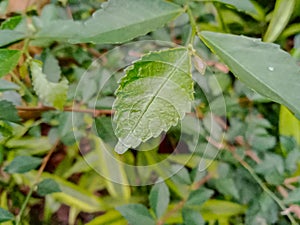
[(245, 167)]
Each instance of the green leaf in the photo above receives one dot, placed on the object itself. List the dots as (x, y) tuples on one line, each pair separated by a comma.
[(198, 197), (47, 186), (29, 145), (8, 60), (280, 18), (23, 164), (154, 95), (109, 165), (10, 36), (5, 215), (105, 130), (264, 67), (5, 129), (8, 112), (263, 210), (293, 197), (127, 20), (76, 196), (159, 198), (11, 23), (272, 162), (220, 209), (192, 217), (8, 86), (289, 125), (109, 217), (227, 186), (118, 21), (54, 94), (51, 67), (245, 5), (136, 214)]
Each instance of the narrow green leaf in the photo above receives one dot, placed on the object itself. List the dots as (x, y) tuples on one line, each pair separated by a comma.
[(23, 164), (5, 215), (159, 198), (154, 95), (54, 94), (127, 20), (47, 186), (264, 67), (199, 196), (108, 218), (136, 214), (29, 145), (110, 166), (292, 29), (192, 217), (76, 196), (289, 125), (220, 209), (8, 60), (280, 18), (8, 112), (10, 36)]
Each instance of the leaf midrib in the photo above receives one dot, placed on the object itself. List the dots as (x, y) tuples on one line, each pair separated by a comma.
[(248, 72), (157, 92), (120, 28)]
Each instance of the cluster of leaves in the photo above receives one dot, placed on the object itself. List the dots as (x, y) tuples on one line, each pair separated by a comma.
[(238, 160)]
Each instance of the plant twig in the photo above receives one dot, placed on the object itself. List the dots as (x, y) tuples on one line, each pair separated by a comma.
[(194, 29), (94, 112), (177, 207), (201, 182), (231, 149), (180, 204), (35, 183), (22, 85)]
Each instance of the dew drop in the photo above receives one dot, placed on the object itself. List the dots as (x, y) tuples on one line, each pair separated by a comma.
[(271, 68)]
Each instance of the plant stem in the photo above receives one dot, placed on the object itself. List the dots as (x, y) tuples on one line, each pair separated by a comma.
[(231, 149), (194, 29), (177, 207), (22, 85), (95, 112), (180, 204), (264, 187), (35, 183), (25, 49)]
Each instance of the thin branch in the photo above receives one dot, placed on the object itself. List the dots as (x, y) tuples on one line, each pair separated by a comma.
[(194, 28), (22, 85), (201, 182), (94, 112), (180, 204), (231, 149), (35, 183), (177, 207)]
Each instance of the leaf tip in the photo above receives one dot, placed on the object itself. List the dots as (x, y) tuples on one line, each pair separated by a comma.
[(121, 148)]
